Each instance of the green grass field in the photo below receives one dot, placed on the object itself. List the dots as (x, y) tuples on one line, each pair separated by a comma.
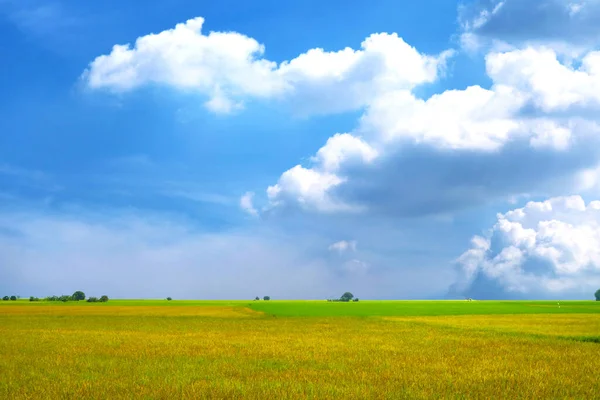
[(299, 349)]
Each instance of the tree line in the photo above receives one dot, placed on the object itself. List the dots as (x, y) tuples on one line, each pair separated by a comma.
[(77, 296), (346, 297)]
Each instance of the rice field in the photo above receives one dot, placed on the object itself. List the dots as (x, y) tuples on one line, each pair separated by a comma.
[(299, 349)]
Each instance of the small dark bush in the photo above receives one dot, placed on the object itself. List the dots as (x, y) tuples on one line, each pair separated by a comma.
[(168, 298), (266, 298), (256, 298), (6, 298), (104, 299), (92, 299), (33, 299), (64, 298), (13, 298), (355, 299)]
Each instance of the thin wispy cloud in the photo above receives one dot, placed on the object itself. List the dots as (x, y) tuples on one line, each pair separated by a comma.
[(45, 253), (40, 17), (343, 246)]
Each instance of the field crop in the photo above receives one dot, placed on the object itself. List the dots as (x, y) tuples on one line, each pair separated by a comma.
[(421, 308), (279, 350)]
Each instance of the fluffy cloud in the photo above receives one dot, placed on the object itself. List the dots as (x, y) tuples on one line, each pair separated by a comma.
[(310, 187), (228, 67), (531, 131), (545, 249), (550, 85), (570, 25), (350, 79), (247, 205), (588, 180), (307, 188), (221, 65), (344, 148), (470, 119)]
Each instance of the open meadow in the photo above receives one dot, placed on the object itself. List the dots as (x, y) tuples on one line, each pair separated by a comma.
[(299, 349)]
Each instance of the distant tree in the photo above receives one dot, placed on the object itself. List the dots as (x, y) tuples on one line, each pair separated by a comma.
[(33, 299), (266, 298), (13, 298), (104, 299), (92, 299), (52, 298), (597, 294), (64, 298), (347, 296), (78, 295), (6, 298), (355, 299), (256, 298)]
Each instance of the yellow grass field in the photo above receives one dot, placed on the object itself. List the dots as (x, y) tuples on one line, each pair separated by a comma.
[(233, 351)]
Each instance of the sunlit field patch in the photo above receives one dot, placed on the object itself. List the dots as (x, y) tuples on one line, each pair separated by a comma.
[(77, 310), (230, 352), (541, 324), (421, 308)]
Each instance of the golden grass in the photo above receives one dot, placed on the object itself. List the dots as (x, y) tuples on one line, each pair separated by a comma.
[(539, 324), (85, 310), (134, 353)]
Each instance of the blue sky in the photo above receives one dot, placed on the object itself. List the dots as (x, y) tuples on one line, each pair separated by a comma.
[(425, 149)]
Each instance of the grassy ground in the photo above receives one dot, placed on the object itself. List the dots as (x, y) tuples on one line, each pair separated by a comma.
[(320, 308), (421, 308), (159, 349)]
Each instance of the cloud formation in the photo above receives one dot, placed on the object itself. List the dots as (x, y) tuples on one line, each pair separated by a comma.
[(228, 67), (531, 131), (570, 25), (545, 249), (534, 126)]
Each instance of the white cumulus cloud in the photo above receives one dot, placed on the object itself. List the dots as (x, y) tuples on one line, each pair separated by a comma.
[(309, 189), (551, 85), (536, 107), (221, 65), (407, 153), (229, 67), (342, 148), (547, 249)]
